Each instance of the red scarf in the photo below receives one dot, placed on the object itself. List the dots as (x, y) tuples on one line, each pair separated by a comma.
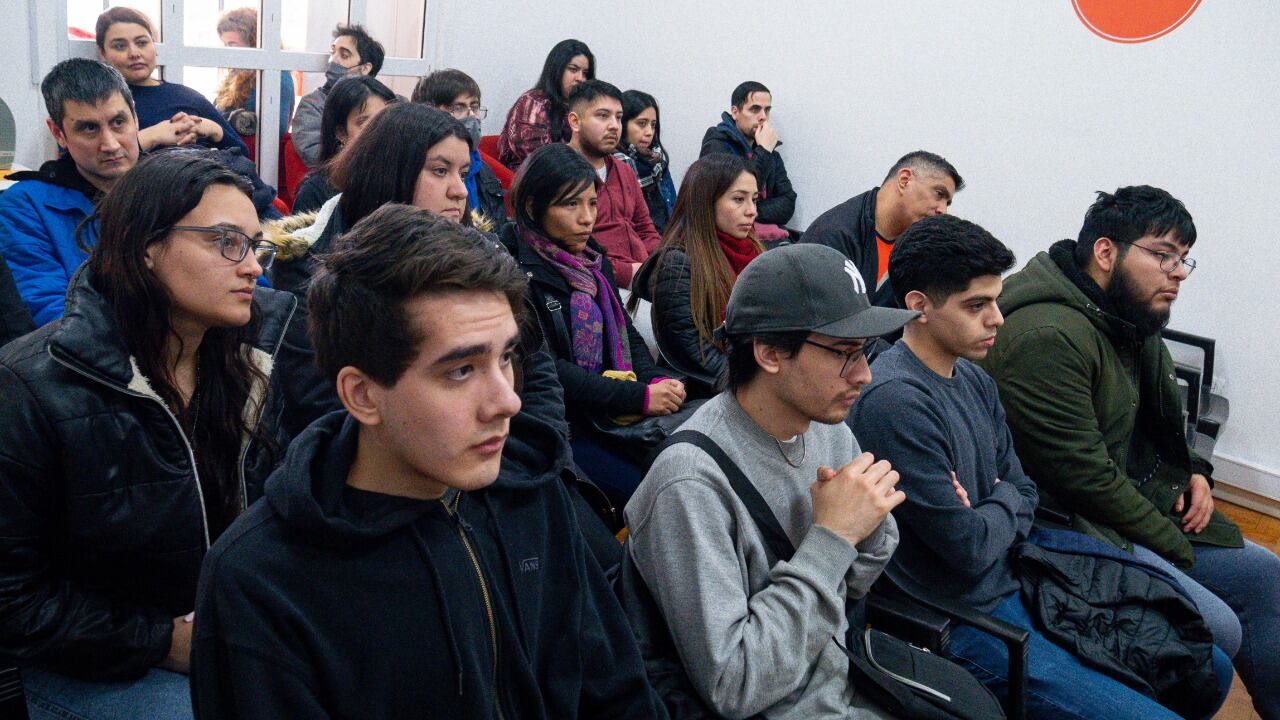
[(737, 252)]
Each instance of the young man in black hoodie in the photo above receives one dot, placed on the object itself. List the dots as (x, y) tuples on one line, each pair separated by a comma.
[(417, 554), (747, 131)]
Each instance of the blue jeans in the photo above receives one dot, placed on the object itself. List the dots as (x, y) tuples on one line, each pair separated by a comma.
[(1238, 592), (158, 695), (615, 475), (1058, 684)]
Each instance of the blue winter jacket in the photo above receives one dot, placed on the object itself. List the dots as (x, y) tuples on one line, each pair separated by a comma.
[(38, 222)]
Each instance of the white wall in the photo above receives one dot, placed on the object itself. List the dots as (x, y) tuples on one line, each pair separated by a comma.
[(1034, 110), (20, 93)]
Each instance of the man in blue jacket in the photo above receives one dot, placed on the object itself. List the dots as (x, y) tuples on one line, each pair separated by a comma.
[(747, 131), (91, 116), (416, 554)]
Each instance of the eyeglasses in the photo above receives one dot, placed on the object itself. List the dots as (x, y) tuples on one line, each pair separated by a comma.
[(461, 110), (235, 245), (1168, 261), (851, 357)]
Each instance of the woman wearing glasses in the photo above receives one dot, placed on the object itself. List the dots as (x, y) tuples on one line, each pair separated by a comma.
[(130, 439)]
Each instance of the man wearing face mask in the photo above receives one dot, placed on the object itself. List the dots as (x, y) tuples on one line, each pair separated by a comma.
[(458, 94), (353, 52)]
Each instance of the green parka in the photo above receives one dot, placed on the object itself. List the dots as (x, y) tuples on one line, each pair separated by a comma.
[(1095, 411)]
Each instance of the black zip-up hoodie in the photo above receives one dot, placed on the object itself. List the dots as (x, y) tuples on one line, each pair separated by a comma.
[(326, 601)]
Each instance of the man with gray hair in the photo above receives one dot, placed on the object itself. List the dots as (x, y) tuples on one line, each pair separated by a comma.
[(92, 118), (864, 227)]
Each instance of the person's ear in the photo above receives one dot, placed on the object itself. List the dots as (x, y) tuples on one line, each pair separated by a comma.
[(734, 112), (58, 136), (360, 395), (341, 134), (1106, 254), (904, 179), (916, 300), (575, 122), (768, 357)]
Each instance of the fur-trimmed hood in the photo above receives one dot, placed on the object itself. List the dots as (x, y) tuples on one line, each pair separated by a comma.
[(295, 234)]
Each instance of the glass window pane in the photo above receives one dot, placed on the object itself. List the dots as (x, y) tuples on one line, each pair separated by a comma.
[(82, 15), (240, 18), (397, 24), (307, 26)]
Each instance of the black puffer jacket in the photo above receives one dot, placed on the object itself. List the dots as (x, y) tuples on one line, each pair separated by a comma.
[(102, 523), (583, 390), (15, 320), (664, 281), (1127, 619)]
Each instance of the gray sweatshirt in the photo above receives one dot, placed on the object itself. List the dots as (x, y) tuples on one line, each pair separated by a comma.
[(929, 426), (753, 639)]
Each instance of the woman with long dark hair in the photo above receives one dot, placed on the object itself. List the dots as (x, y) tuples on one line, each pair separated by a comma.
[(708, 243), (642, 142), (538, 117), (130, 438), (168, 113), (352, 103), (602, 362)]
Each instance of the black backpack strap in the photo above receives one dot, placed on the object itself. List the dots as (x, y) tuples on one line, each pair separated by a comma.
[(774, 536)]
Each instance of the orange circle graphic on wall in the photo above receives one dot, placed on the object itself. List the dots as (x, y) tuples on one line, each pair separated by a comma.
[(1133, 21)]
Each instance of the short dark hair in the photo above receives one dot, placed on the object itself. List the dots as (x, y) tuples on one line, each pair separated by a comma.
[(635, 102), (346, 96), (398, 253), (551, 174), (741, 353), (82, 80), (383, 164), (442, 87), (942, 254), (588, 91), (743, 91), (116, 15), (926, 161), (370, 50), (1129, 214)]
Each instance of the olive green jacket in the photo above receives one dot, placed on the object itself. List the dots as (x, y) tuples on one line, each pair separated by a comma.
[(1095, 411)]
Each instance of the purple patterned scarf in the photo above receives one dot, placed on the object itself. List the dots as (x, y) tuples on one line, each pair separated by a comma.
[(598, 320)]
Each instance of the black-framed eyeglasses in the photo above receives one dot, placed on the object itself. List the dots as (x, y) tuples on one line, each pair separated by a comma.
[(1168, 261), (851, 357), (462, 110), (235, 245)]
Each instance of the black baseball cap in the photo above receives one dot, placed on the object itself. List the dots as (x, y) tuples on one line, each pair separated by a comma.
[(806, 287)]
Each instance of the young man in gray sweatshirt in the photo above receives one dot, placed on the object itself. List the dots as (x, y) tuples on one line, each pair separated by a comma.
[(754, 636), (938, 417)]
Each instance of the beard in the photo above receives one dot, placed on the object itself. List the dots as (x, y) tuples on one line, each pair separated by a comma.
[(1122, 293)]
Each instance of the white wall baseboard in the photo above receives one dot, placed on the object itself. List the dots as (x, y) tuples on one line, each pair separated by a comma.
[(1247, 484)]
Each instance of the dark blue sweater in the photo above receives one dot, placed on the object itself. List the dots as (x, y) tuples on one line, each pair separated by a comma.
[(157, 103), (928, 426)]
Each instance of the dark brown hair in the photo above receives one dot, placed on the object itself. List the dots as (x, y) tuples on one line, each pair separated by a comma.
[(119, 15), (692, 228), (357, 297), (382, 165)]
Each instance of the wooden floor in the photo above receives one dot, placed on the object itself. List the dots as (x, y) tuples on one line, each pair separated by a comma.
[(1265, 531)]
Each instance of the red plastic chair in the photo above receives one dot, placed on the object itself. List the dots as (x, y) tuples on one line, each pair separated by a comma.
[(489, 146)]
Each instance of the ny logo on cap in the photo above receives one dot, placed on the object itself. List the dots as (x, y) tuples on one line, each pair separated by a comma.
[(852, 271)]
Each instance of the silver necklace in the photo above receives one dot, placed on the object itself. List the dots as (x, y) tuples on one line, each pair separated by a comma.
[(783, 452)]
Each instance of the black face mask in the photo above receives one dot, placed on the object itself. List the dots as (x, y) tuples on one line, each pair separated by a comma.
[(1122, 294)]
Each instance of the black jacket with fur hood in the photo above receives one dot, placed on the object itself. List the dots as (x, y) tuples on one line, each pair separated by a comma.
[(102, 519)]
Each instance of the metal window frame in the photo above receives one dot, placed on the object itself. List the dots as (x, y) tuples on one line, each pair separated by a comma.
[(269, 59)]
